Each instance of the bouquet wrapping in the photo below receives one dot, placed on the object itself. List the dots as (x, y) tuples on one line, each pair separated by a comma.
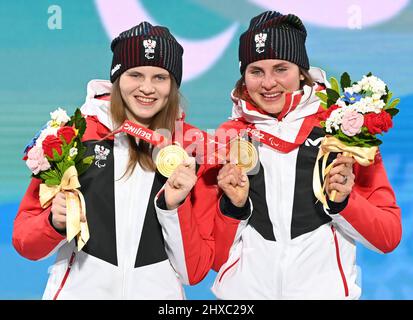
[(56, 155)]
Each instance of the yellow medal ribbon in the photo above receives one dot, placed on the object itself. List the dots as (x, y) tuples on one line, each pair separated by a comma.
[(363, 155), (75, 205)]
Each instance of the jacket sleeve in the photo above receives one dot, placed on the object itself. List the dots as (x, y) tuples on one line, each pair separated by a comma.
[(229, 220), (188, 230), (371, 215), (33, 236), (229, 223)]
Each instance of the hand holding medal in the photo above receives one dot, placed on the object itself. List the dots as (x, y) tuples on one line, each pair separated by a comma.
[(232, 178), (169, 158), (171, 161), (174, 163)]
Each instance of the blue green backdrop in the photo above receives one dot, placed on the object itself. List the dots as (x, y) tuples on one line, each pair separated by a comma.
[(49, 50)]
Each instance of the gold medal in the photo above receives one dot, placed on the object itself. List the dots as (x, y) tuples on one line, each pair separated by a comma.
[(169, 158), (244, 153)]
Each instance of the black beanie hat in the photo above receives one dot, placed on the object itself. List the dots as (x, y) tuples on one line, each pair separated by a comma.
[(146, 45), (272, 35)]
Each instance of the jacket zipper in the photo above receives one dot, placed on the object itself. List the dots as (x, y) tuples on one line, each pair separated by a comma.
[(69, 267), (340, 267)]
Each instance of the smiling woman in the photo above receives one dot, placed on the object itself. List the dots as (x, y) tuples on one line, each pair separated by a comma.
[(286, 244), (148, 96), (146, 239)]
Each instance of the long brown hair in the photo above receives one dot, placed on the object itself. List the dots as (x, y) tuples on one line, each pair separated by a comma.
[(240, 90), (165, 119)]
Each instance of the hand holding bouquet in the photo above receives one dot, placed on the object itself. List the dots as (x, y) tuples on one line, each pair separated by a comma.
[(352, 120), (56, 155)]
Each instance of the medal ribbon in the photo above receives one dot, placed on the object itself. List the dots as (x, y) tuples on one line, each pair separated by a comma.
[(273, 141), (141, 132)]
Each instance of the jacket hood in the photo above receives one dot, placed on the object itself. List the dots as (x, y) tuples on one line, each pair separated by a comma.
[(98, 107)]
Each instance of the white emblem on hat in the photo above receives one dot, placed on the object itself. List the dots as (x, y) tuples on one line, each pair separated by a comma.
[(115, 68), (260, 39), (149, 45)]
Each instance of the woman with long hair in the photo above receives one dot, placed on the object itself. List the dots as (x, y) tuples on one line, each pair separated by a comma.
[(149, 234), (274, 240)]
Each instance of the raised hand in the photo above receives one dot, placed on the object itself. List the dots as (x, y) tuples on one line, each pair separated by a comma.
[(180, 183), (234, 183)]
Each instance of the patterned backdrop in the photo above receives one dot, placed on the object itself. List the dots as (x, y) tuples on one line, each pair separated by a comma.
[(49, 50)]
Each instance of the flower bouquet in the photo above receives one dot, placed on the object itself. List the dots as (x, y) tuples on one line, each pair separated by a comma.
[(56, 155), (354, 114)]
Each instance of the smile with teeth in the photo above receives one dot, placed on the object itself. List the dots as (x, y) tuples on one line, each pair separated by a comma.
[(145, 100), (271, 96)]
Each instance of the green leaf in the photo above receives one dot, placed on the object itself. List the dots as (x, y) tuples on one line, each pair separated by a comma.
[(361, 140), (83, 165), (387, 97), (49, 174), (52, 181), (334, 85), (330, 102), (393, 104), (333, 96), (56, 156), (61, 166), (81, 126), (66, 150), (322, 96), (88, 160), (392, 111), (345, 81), (72, 120), (79, 122), (81, 150)]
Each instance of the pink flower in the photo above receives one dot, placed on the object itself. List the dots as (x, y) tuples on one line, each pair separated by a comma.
[(36, 160), (351, 123)]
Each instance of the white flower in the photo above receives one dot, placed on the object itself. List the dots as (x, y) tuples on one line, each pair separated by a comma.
[(59, 117), (356, 88), (341, 103), (72, 152), (378, 105), (377, 85), (334, 120), (45, 132), (373, 84), (368, 104), (376, 96)]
